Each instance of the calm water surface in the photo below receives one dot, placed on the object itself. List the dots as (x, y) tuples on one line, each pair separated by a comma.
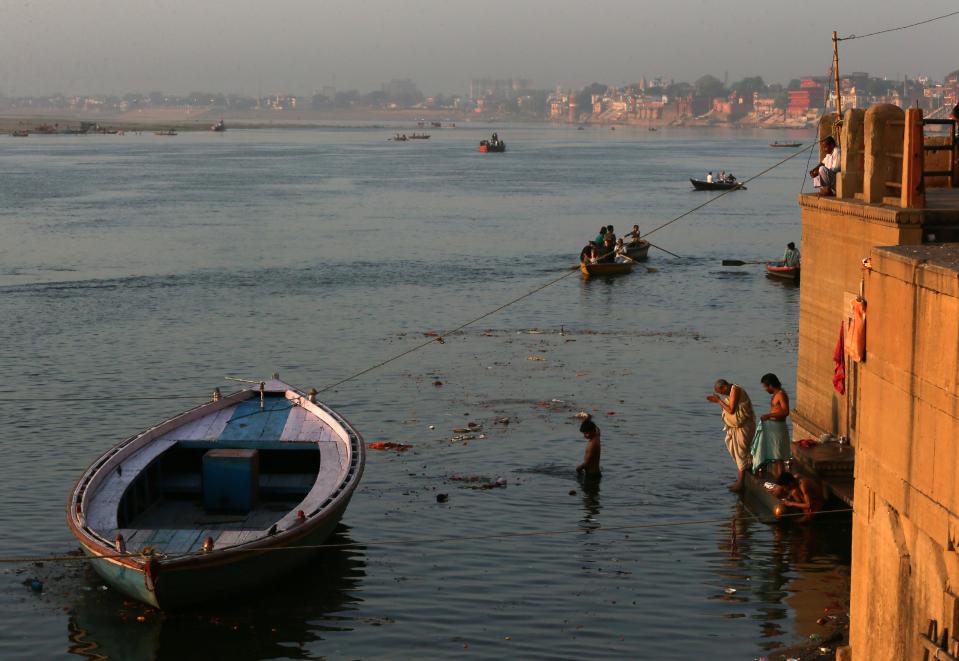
[(140, 265)]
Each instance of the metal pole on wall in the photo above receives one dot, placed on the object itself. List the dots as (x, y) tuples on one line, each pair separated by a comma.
[(835, 70)]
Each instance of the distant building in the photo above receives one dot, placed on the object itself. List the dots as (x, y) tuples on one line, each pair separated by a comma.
[(401, 93), (498, 89), (811, 95)]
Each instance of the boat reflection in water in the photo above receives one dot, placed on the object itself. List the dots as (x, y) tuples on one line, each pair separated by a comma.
[(272, 623), (791, 573)]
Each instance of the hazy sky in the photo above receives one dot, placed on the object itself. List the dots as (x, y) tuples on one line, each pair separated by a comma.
[(112, 46)]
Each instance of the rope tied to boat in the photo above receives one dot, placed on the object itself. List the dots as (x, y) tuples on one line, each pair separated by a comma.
[(151, 573)]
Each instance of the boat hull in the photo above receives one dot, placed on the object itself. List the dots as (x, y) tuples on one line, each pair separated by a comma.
[(789, 273), (699, 184), (202, 578), (638, 253), (605, 269)]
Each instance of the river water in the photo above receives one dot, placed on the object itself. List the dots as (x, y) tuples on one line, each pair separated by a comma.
[(146, 265)]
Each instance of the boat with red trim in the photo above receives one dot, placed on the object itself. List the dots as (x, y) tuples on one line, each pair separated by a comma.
[(494, 144), (186, 510), (780, 270)]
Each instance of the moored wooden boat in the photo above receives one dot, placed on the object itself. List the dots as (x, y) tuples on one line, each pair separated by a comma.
[(785, 144), (182, 512), (777, 270), (699, 184), (609, 268)]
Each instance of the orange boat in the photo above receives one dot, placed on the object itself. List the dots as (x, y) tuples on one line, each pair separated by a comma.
[(778, 270)]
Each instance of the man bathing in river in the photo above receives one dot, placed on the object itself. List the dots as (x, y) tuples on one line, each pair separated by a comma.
[(590, 465), (803, 494), (740, 424)]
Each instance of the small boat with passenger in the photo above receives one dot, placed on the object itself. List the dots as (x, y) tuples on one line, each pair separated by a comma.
[(638, 251), (785, 144), (494, 144), (783, 272), (183, 511), (700, 184)]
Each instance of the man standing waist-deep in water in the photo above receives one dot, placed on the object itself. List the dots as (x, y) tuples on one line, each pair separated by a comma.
[(590, 465), (740, 424)]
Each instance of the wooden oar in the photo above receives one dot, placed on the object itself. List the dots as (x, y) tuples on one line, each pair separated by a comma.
[(661, 248), (739, 262)]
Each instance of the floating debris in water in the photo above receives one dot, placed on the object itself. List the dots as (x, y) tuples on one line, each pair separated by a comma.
[(389, 445), (480, 482)]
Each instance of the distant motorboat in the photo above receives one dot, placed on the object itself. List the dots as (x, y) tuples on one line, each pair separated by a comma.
[(219, 127), (494, 144), (19, 133), (420, 136), (785, 144)]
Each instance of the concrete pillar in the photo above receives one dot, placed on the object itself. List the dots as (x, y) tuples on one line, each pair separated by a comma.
[(882, 137), (913, 194), (849, 181)]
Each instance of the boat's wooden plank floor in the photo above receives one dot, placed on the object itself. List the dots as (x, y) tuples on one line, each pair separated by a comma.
[(174, 527)]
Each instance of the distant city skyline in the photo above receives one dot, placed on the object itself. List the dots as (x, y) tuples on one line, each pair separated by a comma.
[(256, 48)]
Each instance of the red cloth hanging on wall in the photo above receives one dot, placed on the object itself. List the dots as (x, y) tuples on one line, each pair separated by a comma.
[(839, 358)]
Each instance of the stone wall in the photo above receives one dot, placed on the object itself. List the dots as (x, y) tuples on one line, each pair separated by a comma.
[(837, 235), (905, 568)]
